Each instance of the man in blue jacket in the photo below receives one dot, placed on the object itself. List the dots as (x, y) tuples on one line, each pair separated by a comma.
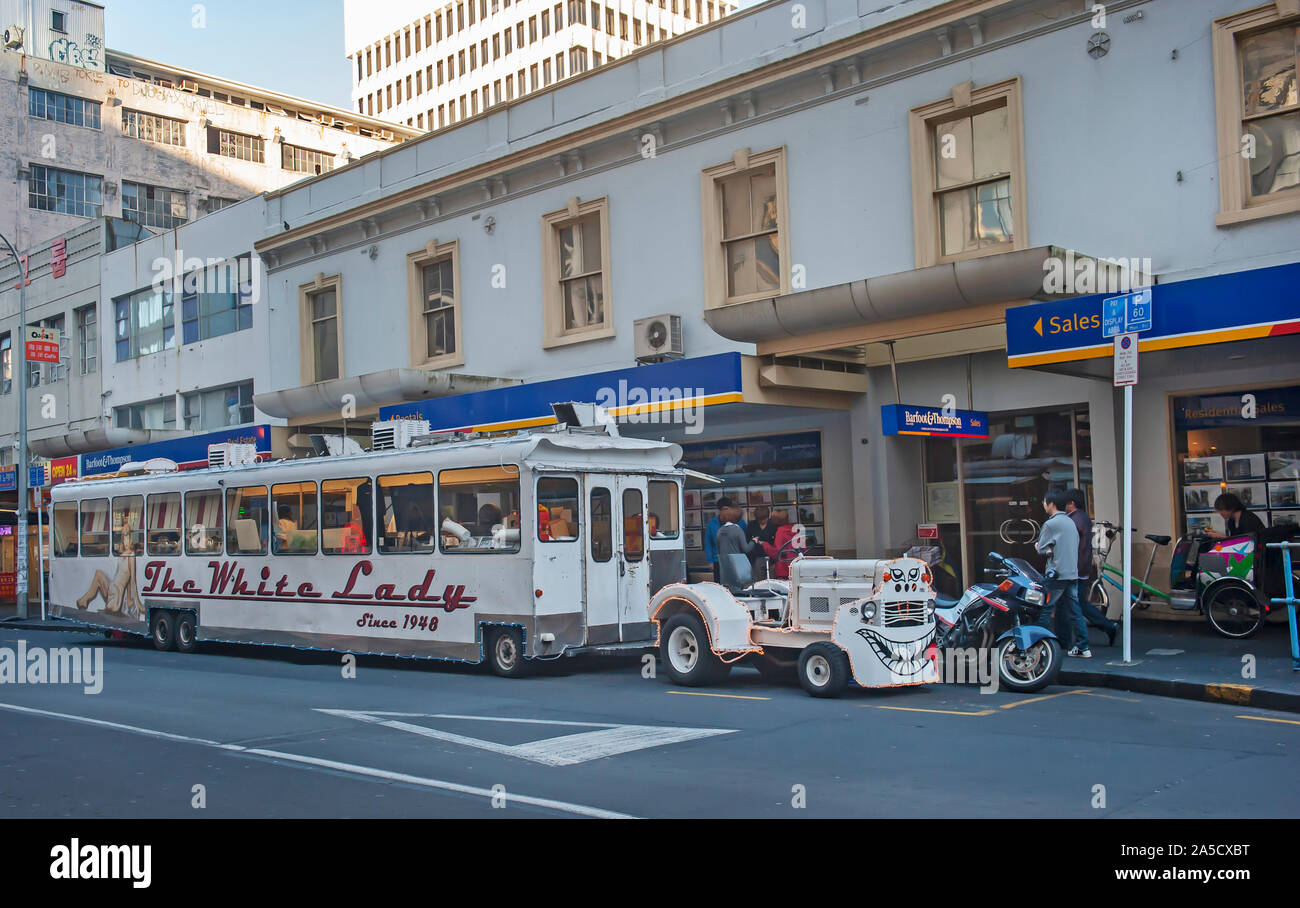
[(711, 535)]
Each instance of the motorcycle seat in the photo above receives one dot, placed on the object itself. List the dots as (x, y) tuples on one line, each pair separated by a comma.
[(1159, 540), (941, 601)]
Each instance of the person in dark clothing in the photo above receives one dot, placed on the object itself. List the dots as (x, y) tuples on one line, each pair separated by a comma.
[(1237, 520), (731, 537), (1076, 510), (711, 535), (762, 529)]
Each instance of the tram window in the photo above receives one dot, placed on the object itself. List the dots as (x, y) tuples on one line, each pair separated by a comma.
[(663, 519), (164, 524), (246, 520), (557, 509), (65, 529), (94, 527), (633, 536), (479, 509), (203, 522), (602, 525), (346, 516), (128, 522), (407, 513), (294, 507)]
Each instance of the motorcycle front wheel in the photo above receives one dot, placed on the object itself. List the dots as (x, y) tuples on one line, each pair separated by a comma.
[(1030, 669)]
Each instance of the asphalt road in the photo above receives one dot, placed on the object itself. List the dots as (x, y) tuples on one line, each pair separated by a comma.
[(270, 732)]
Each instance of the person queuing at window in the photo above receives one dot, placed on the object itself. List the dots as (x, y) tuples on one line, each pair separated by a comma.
[(1076, 506), (731, 535), (762, 528), (1236, 519), (711, 536), (1059, 539), (782, 533)]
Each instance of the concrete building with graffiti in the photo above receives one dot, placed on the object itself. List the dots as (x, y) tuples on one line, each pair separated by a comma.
[(93, 131)]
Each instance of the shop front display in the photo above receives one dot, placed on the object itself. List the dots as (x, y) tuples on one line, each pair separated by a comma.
[(1243, 442)]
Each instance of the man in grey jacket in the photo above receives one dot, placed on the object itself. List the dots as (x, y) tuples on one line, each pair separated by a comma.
[(1059, 538)]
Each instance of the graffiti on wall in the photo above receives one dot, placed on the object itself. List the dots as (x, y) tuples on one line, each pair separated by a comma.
[(87, 55)]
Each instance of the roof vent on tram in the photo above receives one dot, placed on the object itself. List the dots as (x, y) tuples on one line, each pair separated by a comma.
[(396, 434), (229, 454), (592, 417)]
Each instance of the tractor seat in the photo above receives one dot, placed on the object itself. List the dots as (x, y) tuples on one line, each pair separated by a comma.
[(1159, 540)]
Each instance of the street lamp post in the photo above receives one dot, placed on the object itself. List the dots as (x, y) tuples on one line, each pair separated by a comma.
[(20, 467)]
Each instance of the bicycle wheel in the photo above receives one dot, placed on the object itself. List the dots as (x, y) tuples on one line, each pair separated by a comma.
[(1098, 595), (1233, 611)]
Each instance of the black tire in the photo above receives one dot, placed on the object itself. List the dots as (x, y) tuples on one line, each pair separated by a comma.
[(685, 652), (1233, 611), (162, 629), (776, 667), (186, 632), (1041, 665), (1099, 596), (505, 654), (824, 670)]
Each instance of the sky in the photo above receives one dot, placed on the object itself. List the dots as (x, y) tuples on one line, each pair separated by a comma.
[(290, 46)]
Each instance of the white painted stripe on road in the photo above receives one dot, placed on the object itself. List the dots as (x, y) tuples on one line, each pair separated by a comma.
[(353, 768)]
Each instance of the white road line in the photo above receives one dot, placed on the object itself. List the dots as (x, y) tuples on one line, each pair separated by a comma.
[(353, 768)]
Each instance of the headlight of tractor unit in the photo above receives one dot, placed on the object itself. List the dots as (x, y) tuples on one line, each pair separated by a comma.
[(868, 611), (1034, 596)]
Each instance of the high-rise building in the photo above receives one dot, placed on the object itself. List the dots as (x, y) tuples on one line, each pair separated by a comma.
[(95, 132), (428, 65)]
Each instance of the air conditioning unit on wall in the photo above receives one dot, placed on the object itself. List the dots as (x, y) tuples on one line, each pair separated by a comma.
[(658, 338), (13, 37)]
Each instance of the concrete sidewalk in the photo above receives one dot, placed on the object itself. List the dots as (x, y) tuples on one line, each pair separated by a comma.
[(1192, 661)]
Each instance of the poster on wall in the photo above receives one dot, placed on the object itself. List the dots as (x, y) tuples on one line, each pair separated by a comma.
[(1285, 518), (1254, 495), (694, 540), (1200, 497), (1204, 523), (1203, 469), (941, 502), (1284, 464), (1284, 494), (1237, 467)]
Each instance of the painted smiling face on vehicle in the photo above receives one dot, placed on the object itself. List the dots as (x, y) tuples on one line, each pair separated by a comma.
[(903, 659), (906, 576)]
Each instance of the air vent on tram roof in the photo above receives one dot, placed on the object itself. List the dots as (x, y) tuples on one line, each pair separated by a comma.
[(396, 434), (229, 454)]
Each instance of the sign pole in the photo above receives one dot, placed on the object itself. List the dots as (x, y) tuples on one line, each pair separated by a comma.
[(40, 544), (20, 477), (1128, 524)]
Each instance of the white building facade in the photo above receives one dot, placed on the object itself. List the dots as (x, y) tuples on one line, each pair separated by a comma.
[(430, 66)]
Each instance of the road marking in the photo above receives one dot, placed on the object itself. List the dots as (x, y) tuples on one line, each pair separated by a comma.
[(1064, 693), (917, 709), (353, 768), (562, 750), (1270, 719), (1093, 693), (700, 693)]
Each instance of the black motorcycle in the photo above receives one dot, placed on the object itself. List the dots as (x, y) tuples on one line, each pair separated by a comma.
[(1001, 617)]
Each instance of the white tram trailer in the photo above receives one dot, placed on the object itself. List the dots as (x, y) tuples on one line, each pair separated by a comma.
[(498, 549)]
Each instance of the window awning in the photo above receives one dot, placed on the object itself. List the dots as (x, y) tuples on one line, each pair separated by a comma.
[(374, 389), (101, 438)]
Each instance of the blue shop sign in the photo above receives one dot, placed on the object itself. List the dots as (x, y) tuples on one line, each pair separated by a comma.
[(906, 419)]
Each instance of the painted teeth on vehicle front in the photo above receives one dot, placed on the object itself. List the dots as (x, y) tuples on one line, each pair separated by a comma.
[(900, 658)]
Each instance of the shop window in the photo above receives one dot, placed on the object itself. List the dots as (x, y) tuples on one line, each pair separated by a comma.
[(557, 509), (407, 513), (575, 247), (744, 209), (294, 506), (65, 529), (247, 520), (128, 524), (968, 180), (1256, 58), (164, 524), (479, 510), (602, 525), (203, 523), (94, 527), (346, 515), (663, 516)]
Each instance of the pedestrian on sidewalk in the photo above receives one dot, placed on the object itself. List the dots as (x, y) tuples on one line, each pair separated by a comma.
[(711, 535), (1059, 539), (1076, 506)]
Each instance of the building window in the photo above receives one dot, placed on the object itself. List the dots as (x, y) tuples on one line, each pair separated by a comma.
[(237, 145), (6, 363), (509, 36), (546, 23), (58, 22), (144, 323), (153, 128), (217, 301), (305, 160), (433, 285), (575, 244), (546, 71), (216, 203), (322, 334), (217, 408), (153, 414), (577, 60), (519, 34), (496, 47), (88, 339), (745, 204), (609, 21), (64, 191), (154, 206), (1258, 110), (622, 26), (578, 12), (636, 31), (61, 108), (967, 176), (532, 29)]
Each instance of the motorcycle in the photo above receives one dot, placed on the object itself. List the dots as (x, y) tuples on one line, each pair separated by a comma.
[(1001, 617)]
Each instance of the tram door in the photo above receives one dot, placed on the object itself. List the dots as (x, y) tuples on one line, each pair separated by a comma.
[(618, 572)]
